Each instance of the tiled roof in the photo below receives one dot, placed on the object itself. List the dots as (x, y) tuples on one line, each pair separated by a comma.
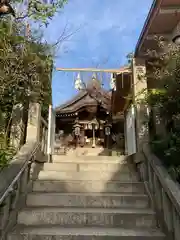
[(90, 96)]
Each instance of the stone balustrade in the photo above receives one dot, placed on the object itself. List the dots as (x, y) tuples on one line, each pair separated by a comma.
[(163, 191), (16, 178)]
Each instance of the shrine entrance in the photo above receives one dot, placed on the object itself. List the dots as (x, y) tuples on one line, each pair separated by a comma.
[(93, 132), (82, 118), (87, 120), (99, 137)]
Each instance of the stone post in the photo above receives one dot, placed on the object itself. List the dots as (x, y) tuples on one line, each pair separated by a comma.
[(142, 114), (34, 122), (17, 125)]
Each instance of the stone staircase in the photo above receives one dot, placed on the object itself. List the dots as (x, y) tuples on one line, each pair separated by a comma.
[(87, 198)]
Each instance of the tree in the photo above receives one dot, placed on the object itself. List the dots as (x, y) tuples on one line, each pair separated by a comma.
[(26, 65), (41, 11), (164, 70), (25, 75)]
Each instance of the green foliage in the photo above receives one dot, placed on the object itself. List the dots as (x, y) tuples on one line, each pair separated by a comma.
[(37, 10), (130, 57), (6, 152), (168, 150), (165, 70), (165, 148), (26, 65), (25, 76)]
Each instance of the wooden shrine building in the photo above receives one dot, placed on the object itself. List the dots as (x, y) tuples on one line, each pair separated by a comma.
[(91, 108)]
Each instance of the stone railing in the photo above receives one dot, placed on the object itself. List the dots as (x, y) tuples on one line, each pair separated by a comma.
[(16, 179), (164, 193)]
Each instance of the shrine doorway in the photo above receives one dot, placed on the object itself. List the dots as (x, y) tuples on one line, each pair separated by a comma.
[(99, 137)]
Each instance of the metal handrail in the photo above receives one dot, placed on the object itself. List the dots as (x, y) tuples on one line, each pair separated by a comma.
[(10, 187)]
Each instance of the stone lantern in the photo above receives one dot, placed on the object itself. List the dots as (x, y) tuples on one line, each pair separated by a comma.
[(107, 129), (77, 129)]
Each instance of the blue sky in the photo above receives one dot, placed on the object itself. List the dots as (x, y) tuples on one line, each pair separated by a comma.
[(108, 31)]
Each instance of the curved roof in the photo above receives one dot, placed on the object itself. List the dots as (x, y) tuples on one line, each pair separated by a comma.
[(89, 97), (72, 101)]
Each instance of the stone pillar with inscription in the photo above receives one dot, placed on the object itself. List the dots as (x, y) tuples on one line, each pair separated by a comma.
[(142, 114), (17, 125), (34, 122)]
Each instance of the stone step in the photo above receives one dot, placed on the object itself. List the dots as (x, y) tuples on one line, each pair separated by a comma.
[(87, 166), (125, 218), (91, 200), (98, 159), (88, 151), (90, 175), (88, 186), (60, 233)]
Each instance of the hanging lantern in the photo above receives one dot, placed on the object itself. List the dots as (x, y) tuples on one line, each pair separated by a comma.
[(90, 126), (78, 82), (108, 129), (77, 129), (113, 82)]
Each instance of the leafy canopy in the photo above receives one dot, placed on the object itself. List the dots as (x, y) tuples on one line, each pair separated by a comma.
[(163, 70), (38, 10)]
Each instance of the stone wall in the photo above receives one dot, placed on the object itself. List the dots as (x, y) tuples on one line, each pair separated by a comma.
[(16, 178), (163, 191)]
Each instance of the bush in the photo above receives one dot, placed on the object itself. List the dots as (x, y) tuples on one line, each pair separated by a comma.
[(6, 152), (164, 69), (168, 150)]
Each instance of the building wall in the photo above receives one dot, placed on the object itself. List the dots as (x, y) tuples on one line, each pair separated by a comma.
[(123, 88)]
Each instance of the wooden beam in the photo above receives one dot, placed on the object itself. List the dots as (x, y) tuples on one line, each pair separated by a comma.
[(147, 25), (118, 71), (164, 36), (169, 9)]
